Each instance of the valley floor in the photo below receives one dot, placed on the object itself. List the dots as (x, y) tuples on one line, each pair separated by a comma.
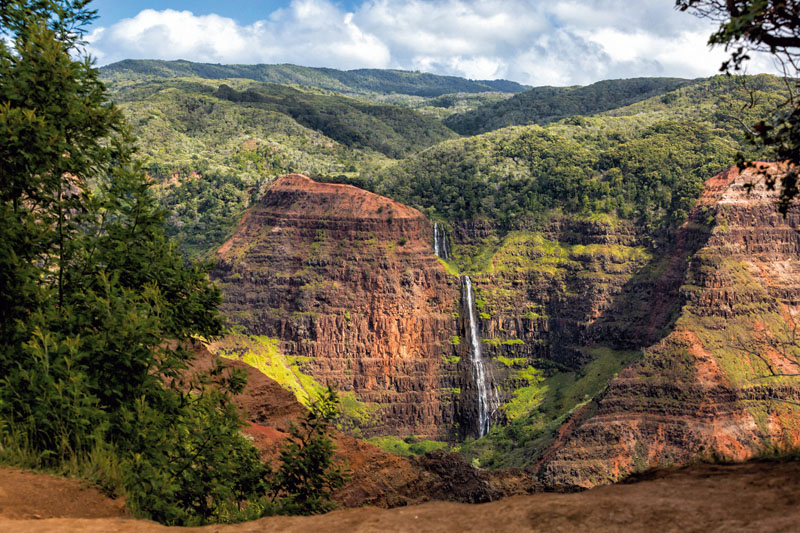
[(752, 497)]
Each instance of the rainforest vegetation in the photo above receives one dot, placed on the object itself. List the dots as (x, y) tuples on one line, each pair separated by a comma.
[(214, 145), (99, 311)]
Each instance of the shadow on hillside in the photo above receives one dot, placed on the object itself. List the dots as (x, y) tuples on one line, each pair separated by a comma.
[(646, 309)]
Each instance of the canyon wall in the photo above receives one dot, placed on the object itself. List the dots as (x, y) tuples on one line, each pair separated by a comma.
[(608, 352), (349, 284), (348, 281), (548, 305), (722, 381)]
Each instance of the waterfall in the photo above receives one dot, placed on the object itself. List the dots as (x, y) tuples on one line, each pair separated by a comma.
[(440, 242), (436, 248), (487, 396)]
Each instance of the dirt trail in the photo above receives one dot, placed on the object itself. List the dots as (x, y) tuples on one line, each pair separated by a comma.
[(28, 495), (750, 497)]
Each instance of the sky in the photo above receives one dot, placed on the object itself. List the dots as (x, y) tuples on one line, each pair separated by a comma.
[(551, 42)]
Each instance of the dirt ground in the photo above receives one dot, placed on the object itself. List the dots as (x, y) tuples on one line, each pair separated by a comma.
[(26, 495), (750, 497)]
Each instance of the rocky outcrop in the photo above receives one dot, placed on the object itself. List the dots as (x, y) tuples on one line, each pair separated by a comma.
[(722, 382), (348, 281)]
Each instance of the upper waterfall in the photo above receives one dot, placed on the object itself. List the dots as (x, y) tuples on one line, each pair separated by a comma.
[(440, 247)]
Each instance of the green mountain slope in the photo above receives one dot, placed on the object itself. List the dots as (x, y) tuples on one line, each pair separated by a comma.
[(646, 161), (394, 131), (542, 105), (352, 81), (211, 146)]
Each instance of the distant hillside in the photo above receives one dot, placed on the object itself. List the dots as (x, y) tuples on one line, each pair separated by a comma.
[(394, 131), (238, 135), (542, 105), (351, 81), (646, 161)]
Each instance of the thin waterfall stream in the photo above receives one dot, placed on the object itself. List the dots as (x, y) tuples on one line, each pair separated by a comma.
[(440, 241), (487, 397)]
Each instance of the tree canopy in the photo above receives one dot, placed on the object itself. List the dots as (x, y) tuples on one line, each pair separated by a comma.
[(773, 27), (98, 308)]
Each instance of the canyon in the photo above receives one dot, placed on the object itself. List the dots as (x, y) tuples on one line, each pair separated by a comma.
[(615, 350), (723, 383)]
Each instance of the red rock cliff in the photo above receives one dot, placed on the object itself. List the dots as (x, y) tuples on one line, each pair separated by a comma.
[(348, 280), (721, 382)]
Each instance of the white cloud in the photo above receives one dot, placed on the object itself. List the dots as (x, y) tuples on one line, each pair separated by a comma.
[(562, 42), (307, 32)]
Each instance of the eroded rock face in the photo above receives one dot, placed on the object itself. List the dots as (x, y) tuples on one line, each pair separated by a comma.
[(708, 387), (348, 279)]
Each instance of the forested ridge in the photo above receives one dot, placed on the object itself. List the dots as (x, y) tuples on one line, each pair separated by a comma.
[(644, 160), (542, 105), (352, 81)]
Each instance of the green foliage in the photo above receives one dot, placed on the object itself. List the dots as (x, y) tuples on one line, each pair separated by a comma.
[(390, 130), (361, 81), (408, 446), (644, 165), (764, 26), (307, 476), (542, 105), (448, 267), (446, 105), (99, 308), (355, 414), (202, 210), (191, 465)]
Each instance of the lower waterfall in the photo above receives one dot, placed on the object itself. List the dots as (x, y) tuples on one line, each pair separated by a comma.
[(487, 396)]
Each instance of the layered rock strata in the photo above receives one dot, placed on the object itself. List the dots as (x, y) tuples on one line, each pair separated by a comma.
[(348, 281), (723, 381)]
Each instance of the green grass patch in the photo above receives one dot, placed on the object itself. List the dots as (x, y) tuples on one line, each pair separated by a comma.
[(550, 393), (263, 354), (513, 362), (503, 342), (452, 359), (449, 267), (408, 446)]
